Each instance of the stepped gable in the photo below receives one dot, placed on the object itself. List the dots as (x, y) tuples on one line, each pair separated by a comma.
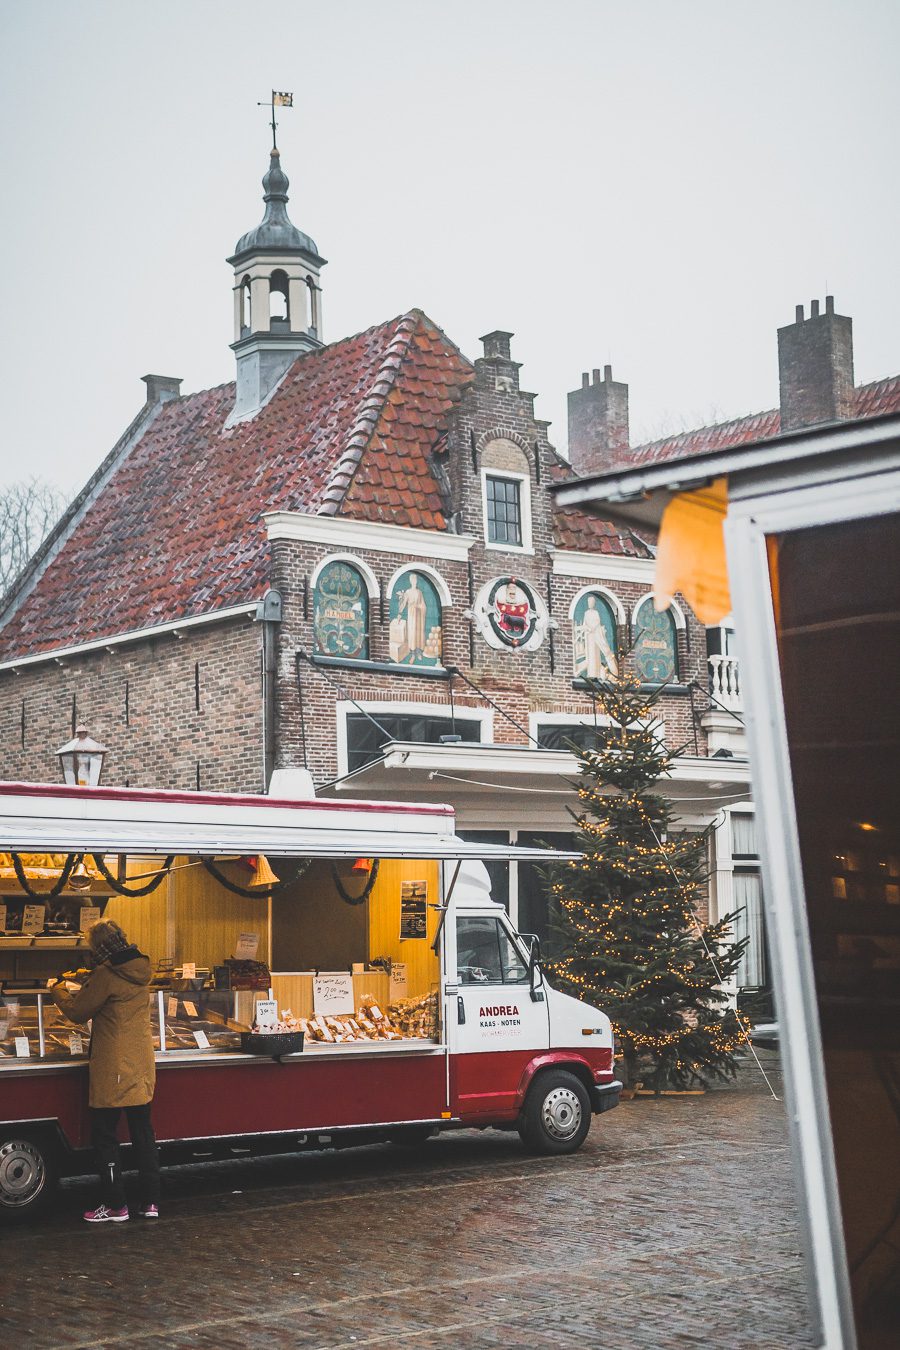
[(871, 400), (178, 530)]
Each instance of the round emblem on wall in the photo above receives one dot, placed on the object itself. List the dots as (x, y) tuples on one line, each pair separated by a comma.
[(508, 613)]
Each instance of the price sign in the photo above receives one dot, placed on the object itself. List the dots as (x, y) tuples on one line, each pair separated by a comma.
[(23, 1049), (76, 1044), (266, 1013), (172, 1007), (190, 1008), (33, 919), (89, 914), (399, 980), (189, 970), (333, 994), (246, 947), (202, 1040), (2, 918), (12, 1008)]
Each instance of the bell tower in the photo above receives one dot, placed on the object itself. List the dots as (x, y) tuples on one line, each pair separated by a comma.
[(277, 297)]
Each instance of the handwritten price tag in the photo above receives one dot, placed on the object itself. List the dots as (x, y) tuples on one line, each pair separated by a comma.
[(172, 1007), (190, 1008), (76, 1044), (246, 946), (33, 919), (399, 979), (266, 1013), (89, 914), (202, 1040), (189, 970), (333, 994), (23, 1049)]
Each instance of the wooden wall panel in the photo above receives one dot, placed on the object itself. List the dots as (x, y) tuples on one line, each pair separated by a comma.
[(384, 922), (313, 928)]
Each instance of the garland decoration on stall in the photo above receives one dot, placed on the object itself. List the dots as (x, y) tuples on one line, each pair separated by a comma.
[(257, 892), (366, 890), (72, 861), (135, 891)]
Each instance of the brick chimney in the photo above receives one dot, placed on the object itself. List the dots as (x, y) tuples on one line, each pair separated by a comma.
[(815, 367), (598, 422)]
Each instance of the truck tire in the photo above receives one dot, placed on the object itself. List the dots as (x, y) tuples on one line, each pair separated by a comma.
[(27, 1177), (557, 1113)]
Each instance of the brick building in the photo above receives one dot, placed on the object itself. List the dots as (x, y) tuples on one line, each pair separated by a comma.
[(348, 562)]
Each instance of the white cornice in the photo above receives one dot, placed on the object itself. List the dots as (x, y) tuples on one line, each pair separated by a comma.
[(344, 533), (135, 635), (602, 566)]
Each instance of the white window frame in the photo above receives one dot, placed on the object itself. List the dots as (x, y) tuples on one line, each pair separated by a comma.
[(524, 481), (375, 706)]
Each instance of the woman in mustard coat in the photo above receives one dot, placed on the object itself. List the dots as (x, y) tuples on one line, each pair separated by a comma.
[(122, 1066)]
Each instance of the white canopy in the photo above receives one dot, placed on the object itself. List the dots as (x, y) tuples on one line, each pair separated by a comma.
[(39, 819)]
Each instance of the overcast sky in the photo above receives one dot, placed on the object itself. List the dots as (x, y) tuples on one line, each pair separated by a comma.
[(651, 183)]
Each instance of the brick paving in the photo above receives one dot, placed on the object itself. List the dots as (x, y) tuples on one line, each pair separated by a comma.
[(673, 1227)]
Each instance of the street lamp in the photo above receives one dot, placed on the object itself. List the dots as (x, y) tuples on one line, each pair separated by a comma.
[(82, 760)]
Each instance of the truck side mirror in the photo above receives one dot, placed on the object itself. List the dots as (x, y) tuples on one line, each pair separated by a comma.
[(534, 965)]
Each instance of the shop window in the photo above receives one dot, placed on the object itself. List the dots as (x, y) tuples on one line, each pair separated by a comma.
[(415, 621), (366, 740), (538, 906), (503, 511), (485, 953), (594, 655), (341, 609), (497, 871), (655, 647)]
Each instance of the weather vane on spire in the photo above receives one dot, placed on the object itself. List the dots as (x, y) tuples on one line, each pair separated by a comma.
[(278, 100)]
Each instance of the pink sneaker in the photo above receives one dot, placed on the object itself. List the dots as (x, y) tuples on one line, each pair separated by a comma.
[(149, 1211), (102, 1214)]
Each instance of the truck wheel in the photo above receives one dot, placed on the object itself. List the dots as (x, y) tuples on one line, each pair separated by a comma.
[(27, 1178), (557, 1113)]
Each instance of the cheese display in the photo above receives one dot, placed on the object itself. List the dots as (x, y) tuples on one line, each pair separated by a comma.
[(406, 1019)]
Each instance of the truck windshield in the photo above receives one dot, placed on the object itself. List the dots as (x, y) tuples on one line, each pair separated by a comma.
[(485, 953)]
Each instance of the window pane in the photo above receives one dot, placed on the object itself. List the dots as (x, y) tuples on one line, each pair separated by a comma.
[(514, 968), (497, 871), (478, 951), (749, 922), (538, 907), (365, 739), (562, 735), (503, 508), (743, 836)]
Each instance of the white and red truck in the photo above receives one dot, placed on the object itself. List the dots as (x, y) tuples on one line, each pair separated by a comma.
[(505, 1049)]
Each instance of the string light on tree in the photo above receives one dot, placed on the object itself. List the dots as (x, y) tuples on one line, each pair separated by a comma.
[(633, 943)]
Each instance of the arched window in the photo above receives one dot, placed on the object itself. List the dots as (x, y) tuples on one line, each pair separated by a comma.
[(245, 306), (313, 307), (655, 646), (415, 620), (279, 305), (341, 610), (594, 645)]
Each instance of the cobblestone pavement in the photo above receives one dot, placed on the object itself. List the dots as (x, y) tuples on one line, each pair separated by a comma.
[(674, 1226)]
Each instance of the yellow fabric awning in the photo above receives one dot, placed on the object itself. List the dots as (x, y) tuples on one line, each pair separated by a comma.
[(691, 553)]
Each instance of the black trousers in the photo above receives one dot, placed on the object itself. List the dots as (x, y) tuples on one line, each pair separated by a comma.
[(104, 1123)]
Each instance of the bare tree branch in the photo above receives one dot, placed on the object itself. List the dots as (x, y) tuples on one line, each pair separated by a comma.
[(28, 511)]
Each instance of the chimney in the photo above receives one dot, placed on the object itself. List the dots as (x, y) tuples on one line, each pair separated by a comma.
[(161, 388), (815, 368), (598, 423)]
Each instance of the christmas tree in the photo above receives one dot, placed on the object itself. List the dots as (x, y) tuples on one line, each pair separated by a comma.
[(632, 942)]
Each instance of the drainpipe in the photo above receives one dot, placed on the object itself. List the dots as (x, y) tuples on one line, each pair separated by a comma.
[(268, 613)]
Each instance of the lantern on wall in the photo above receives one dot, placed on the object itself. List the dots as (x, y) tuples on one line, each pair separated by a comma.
[(82, 760)]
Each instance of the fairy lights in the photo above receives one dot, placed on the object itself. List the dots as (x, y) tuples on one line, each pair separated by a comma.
[(633, 943)]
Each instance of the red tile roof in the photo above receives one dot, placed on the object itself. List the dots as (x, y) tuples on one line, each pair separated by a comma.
[(872, 400), (177, 531)]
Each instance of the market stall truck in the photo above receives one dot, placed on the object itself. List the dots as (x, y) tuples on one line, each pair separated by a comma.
[(449, 1021)]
